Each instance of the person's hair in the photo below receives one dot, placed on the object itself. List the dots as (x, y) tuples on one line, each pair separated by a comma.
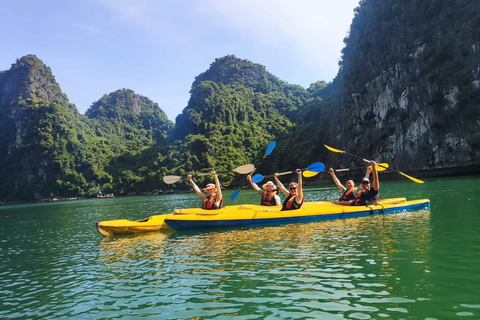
[(293, 184)]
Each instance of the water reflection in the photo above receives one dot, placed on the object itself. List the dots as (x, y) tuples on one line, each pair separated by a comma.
[(353, 268)]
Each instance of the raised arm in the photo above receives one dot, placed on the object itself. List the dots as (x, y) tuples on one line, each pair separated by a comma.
[(254, 185), (335, 179), (376, 183), (280, 185), (367, 174), (196, 188), (219, 190), (300, 187)]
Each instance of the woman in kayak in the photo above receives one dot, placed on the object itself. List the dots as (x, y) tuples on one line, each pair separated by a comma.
[(269, 193), (214, 200), (294, 194)]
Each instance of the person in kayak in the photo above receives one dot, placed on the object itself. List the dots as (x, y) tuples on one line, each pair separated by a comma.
[(294, 194), (214, 200), (269, 193), (349, 191), (367, 194)]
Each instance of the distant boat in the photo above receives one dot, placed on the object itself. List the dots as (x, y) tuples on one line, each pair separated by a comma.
[(109, 195)]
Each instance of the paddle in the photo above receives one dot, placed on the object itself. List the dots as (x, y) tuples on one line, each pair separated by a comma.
[(403, 174), (314, 167), (380, 167), (245, 169), (269, 150)]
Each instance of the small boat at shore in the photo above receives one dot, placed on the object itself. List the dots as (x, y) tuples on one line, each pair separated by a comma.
[(249, 215)]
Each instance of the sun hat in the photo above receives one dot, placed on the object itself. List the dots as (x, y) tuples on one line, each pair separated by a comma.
[(210, 186), (267, 184)]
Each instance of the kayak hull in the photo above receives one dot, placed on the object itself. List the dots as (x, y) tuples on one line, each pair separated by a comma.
[(248, 215), (123, 226)]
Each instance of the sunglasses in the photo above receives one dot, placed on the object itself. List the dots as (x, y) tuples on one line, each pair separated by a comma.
[(365, 182), (293, 188)]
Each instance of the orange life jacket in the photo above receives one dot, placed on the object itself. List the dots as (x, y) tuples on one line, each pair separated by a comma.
[(210, 202), (268, 200), (291, 204)]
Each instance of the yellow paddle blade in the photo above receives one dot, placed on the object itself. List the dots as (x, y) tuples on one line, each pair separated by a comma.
[(309, 174), (412, 178), (380, 167), (333, 149)]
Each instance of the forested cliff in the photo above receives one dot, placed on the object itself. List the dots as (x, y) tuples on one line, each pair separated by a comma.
[(407, 93)]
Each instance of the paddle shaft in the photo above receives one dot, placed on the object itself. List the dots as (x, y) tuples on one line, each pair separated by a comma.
[(281, 173), (358, 157)]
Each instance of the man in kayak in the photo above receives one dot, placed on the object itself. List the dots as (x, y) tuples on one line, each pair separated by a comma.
[(214, 200), (348, 192), (269, 195), (294, 194), (367, 194)]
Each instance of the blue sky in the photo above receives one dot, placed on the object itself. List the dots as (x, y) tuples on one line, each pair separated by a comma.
[(158, 47)]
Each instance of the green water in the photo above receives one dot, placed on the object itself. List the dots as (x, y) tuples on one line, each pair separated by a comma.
[(414, 265)]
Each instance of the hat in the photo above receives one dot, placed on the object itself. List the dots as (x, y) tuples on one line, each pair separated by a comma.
[(269, 183), (210, 186), (365, 180)]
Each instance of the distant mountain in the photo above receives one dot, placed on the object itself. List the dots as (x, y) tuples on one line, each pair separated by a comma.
[(134, 132), (39, 134), (48, 149), (236, 108)]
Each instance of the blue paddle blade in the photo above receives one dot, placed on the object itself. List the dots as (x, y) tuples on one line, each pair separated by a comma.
[(257, 178), (235, 194), (270, 148), (316, 167)]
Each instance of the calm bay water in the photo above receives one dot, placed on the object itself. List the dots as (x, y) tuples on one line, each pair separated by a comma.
[(414, 265)]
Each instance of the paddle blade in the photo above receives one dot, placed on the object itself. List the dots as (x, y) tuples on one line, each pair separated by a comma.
[(412, 178), (235, 194), (380, 167), (171, 179), (316, 167), (333, 149), (270, 148), (257, 178), (309, 174), (245, 169)]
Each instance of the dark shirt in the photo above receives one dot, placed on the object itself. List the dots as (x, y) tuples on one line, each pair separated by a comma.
[(362, 198)]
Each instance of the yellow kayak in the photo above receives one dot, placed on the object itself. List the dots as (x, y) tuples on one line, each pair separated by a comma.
[(249, 214), (124, 226)]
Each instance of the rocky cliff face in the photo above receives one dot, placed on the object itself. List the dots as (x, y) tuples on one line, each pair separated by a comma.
[(408, 86)]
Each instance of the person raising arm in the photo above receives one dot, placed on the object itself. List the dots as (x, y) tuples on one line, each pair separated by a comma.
[(213, 200), (348, 192), (294, 195), (269, 193)]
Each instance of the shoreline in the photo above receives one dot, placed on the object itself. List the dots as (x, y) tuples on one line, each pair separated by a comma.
[(322, 179)]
